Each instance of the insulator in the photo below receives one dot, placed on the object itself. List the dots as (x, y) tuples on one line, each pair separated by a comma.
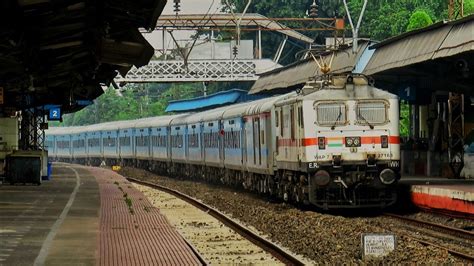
[(177, 6), (235, 50), (313, 10)]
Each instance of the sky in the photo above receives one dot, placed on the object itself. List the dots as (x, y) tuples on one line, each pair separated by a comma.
[(187, 7)]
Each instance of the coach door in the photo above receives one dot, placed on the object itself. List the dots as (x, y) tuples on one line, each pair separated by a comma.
[(245, 156), (201, 142), (221, 141), (257, 146)]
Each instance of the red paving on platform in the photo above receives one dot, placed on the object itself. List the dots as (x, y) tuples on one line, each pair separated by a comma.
[(135, 235)]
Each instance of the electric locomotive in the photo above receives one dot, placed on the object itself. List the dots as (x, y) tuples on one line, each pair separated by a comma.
[(338, 142)]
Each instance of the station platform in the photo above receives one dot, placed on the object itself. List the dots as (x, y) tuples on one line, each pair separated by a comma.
[(86, 216), (455, 196)]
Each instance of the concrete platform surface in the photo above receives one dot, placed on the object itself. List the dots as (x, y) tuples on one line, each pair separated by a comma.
[(86, 216), (54, 223)]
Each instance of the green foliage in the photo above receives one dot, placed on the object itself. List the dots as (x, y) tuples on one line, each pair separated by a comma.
[(384, 19), (419, 19), (404, 119), (468, 7), (139, 101)]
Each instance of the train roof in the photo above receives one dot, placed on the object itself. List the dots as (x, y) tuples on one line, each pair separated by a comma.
[(161, 121), (266, 105), (361, 92), (56, 131), (208, 115)]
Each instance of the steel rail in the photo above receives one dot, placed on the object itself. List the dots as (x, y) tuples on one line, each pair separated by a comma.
[(266, 245), (460, 233), (450, 251), (448, 229)]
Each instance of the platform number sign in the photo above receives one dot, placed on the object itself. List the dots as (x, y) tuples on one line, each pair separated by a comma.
[(407, 93), (54, 114)]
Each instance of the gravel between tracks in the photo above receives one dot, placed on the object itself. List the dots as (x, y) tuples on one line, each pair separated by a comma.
[(323, 238), (216, 243), (444, 220)]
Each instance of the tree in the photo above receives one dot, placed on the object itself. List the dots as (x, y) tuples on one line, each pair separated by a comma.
[(419, 19), (468, 7)]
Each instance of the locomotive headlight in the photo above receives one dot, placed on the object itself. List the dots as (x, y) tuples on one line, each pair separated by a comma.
[(357, 142), (349, 142), (353, 141)]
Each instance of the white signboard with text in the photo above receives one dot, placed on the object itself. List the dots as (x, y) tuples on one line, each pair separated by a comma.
[(378, 245)]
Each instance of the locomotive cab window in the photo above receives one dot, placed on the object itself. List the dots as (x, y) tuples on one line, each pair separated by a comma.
[(331, 113), (371, 112)]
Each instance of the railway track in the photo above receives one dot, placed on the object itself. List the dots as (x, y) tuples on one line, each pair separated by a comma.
[(451, 234), (266, 245)]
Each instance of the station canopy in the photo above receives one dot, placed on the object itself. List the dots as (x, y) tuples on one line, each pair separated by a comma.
[(438, 57), (60, 52)]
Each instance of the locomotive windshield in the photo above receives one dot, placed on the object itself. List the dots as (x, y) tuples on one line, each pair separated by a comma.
[(331, 114), (367, 113), (370, 113)]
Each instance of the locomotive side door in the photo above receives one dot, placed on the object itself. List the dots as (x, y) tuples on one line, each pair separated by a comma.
[(300, 132)]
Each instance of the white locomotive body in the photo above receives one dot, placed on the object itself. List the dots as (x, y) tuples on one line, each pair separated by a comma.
[(345, 137), (334, 144)]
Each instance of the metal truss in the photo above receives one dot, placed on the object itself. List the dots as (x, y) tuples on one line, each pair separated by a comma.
[(32, 135), (455, 9), (456, 133), (193, 71), (248, 22)]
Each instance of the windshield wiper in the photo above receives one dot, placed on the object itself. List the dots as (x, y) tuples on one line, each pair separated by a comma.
[(337, 119), (366, 121)]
